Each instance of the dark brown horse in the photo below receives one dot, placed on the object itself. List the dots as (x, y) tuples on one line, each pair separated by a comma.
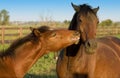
[(92, 57), (24, 52)]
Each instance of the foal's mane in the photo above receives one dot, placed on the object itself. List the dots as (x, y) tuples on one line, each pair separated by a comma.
[(11, 50)]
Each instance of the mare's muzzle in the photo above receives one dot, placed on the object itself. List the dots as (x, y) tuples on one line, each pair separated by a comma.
[(91, 46)]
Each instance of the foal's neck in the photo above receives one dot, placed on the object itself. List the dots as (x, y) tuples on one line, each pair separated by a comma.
[(26, 56)]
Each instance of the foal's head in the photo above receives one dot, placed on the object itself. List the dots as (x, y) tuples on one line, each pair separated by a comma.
[(85, 21), (54, 40)]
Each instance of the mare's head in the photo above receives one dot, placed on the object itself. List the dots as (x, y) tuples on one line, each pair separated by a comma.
[(54, 40), (85, 21)]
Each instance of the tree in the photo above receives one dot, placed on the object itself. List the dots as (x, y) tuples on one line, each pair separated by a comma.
[(116, 24), (66, 22), (6, 20), (4, 17), (107, 22)]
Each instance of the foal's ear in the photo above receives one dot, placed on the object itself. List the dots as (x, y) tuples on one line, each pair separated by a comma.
[(35, 31), (96, 9)]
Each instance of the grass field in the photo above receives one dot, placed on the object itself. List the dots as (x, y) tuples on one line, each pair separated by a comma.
[(45, 67)]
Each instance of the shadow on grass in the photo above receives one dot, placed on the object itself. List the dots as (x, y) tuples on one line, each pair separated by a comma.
[(39, 76)]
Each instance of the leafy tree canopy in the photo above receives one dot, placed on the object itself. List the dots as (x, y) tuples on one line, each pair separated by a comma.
[(4, 17), (107, 22)]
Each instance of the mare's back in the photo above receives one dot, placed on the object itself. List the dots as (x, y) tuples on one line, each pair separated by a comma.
[(108, 55)]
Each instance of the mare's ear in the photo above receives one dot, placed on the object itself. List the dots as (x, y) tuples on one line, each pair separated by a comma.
[(35, 32), (96, 9), (76, 8)]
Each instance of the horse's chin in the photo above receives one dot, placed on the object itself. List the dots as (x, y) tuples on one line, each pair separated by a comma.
[(77, 42)]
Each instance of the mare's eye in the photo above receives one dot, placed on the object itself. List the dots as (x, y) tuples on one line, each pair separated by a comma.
[(80, 20), (53, 34)]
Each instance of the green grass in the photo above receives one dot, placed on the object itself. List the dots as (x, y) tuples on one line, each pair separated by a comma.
[(118, 35), (3, 47), (45, 67)]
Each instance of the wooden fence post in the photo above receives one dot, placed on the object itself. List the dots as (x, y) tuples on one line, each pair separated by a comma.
[(20, 32), (3, 34)]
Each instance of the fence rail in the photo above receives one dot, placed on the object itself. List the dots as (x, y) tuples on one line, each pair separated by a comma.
[(108, 31), (9, 34)]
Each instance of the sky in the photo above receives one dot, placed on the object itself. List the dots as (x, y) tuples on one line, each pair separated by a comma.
[(57, 10)]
